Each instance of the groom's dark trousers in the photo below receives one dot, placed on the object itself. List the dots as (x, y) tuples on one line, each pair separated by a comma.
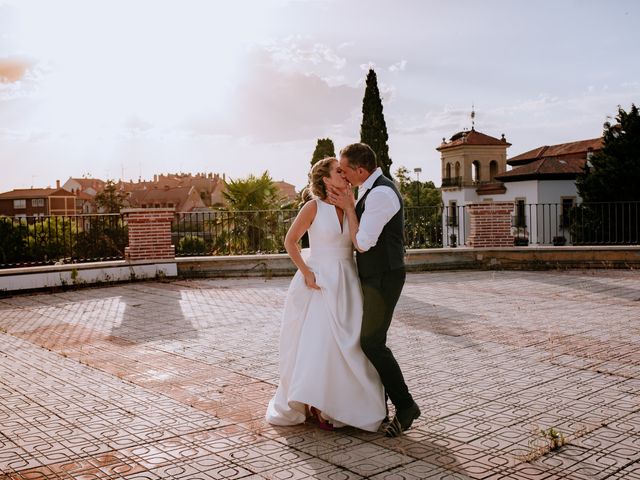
[(381, 293), (382, 275)]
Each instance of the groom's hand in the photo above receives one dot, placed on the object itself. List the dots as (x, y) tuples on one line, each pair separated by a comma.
[(342, 198)]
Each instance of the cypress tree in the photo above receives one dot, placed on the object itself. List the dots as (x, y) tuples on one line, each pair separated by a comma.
[(373, 130), (324, 149)]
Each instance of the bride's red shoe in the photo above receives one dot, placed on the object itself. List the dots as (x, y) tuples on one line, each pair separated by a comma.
[(322, 423)]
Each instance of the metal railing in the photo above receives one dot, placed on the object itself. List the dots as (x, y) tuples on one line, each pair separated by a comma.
[(263, 231), (452, 182), (29, 241), (610, 223), (83, 238)]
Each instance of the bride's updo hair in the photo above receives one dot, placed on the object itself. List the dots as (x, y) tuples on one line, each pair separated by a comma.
[(320, 170)]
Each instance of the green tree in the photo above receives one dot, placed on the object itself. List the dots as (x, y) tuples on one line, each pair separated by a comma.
[(423, 211), (111, 200), (253, 227), (613, 173), (373, 130), (416, 193), (252, 193), (324, 149)]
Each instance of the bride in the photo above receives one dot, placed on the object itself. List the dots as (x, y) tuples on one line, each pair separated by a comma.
[(323, 371)]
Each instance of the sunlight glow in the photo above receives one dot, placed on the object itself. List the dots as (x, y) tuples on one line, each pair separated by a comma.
[(108, 63)]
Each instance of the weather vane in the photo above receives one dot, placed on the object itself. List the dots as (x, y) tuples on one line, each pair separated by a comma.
[(473, 116)]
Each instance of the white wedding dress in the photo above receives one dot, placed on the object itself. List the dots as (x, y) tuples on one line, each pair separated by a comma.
[(321, 361)]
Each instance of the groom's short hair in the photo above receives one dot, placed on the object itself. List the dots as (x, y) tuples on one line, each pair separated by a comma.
[(360, 155)]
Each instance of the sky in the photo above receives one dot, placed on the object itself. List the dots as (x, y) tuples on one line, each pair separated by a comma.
[(132, 88)]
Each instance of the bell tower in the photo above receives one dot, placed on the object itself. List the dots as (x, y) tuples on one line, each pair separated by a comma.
[(471, 158)]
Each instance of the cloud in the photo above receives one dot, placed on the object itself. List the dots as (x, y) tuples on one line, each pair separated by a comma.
[(399, 66), (300, 54), (275, 105)]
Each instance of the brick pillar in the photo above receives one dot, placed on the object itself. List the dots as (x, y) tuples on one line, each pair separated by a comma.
[(149, 233), (490, 224)]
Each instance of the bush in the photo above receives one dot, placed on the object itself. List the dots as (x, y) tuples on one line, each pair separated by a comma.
[(192, 246)]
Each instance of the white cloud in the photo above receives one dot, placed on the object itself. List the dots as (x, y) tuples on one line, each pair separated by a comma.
[(399, 66), (300, 53), (271, 104)]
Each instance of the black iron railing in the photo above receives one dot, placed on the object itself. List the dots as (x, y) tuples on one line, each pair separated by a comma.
[(231, 232), (83, 238), (452, 182), (48, 240), (611, 223), (263, 231)]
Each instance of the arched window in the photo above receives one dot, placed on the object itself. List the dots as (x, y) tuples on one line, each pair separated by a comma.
[(457, 170), (493, 170), (448, 171), (475, 171)]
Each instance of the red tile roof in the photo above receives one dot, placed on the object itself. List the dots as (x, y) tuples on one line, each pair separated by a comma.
[(545, 168), (89, 182), (472, 137), (28, 193), (178, 196), (577, 149)]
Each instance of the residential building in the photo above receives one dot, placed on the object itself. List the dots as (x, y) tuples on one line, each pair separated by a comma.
[(26, 202), (541, 182), (287, 190), (39, 202), (183, 199), (90, 186)]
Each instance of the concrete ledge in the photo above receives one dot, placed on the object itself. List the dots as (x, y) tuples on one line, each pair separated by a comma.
[(77, 274), (525, 258), (508, 258), (272, 265)]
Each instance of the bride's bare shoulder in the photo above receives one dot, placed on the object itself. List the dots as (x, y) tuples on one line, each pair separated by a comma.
[(309, 210)]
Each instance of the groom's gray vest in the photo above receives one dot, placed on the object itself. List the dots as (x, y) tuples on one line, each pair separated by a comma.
[(388, 253)]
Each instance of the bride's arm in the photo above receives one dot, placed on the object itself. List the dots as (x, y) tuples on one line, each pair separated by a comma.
[(300, 225)]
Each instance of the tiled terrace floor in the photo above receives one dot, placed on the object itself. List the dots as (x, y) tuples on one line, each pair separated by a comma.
[(170, 381)]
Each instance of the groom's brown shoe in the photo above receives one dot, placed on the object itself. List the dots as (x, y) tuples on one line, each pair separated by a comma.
[(402, 421)]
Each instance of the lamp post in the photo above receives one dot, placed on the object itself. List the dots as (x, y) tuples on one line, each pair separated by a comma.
[(417, 171)]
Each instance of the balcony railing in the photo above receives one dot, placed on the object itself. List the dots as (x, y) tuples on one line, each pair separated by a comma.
[(452, 182)]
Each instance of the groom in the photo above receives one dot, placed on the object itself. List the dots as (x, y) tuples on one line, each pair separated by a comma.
[(380, 258)]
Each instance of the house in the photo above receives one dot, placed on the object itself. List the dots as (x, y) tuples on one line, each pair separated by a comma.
[(63, 203), (183, 199), (26, 202), (39, 202), (286, 190), (90, 186), (541, 182), (205, 183)]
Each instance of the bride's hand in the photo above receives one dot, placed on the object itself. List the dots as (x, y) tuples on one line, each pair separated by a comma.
[(310, 280)]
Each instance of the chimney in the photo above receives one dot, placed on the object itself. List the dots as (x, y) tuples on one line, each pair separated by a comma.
[(58, 184)]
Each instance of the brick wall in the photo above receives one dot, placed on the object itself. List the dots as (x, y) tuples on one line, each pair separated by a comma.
[(490, 224), (149, 233)]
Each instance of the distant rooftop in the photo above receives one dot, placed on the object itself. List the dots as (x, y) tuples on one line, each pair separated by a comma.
[(472, 137)]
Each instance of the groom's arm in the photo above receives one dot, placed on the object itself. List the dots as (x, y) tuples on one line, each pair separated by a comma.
[(382, 204)]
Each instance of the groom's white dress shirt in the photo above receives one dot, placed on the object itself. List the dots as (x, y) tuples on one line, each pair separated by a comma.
[(382, 205)]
